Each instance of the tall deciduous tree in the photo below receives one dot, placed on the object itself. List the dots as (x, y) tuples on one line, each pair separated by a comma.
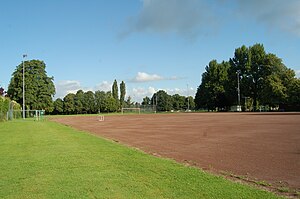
[(115, 90), (211, 93), (262, 77), (191, 102), (146, 101), (128, 102), (122, 93), (239, 67), (39, 88), (256, 71), (58, 106), (111, 104), (69, 103), (293, 92), (79, 102), (89, 102), (178, 102), (100, 97), (162, 100)]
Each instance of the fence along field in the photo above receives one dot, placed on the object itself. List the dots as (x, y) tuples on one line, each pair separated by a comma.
[(36, 115)]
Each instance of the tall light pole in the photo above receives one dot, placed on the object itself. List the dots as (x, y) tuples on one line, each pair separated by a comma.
[(156, 102), (23, 86), (238, 90), (188, 99)]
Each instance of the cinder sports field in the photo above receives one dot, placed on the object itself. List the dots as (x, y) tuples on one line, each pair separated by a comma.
[(264, 147)]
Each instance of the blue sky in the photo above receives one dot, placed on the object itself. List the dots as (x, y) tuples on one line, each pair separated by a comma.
[(150, 44)]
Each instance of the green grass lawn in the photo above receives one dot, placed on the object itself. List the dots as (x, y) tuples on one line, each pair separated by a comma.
[(49, 160)]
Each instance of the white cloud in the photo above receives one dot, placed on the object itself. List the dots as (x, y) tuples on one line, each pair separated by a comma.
[(103, 86), (137, 94), (184, 92), (66, 86), (72, 86), (297, 73), (145, 77)]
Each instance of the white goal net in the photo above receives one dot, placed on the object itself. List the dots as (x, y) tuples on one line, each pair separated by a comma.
[(131, 110)]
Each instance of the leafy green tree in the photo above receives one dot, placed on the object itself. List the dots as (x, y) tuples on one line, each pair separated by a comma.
[(191, 102), (100, 97), (79, 101), (115, 91), (211, 92), (146, 101), (293, 92), (263, 76), (239, 67), (275, 91), (129, 102), (122, 93), (201, 96), (178, 102), (39, 88), (164, 101), (256, 71), (69, 103), (111, 104), (58, 106), (89, 102)]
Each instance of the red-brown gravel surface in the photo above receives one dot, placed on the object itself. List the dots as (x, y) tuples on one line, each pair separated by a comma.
[(262, 146)]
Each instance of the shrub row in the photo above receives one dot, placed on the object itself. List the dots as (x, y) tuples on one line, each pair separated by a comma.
[(5, 105)]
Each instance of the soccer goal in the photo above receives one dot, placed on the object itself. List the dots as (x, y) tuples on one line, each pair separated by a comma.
[(131, 110)]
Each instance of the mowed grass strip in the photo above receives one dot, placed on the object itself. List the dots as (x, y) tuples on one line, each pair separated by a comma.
[(49, 160)]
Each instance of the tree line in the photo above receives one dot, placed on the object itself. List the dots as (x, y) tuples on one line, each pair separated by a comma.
[(252, 78), (162, 101), (40, 90), (92, 102), (100, 101)]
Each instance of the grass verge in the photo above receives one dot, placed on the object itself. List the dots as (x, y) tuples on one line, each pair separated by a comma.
[(49, 160)]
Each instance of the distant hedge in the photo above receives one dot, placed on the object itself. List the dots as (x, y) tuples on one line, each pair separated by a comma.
[(5, 105)]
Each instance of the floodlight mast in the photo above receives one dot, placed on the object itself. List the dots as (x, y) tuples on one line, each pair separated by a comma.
[(238, 88), (188, 99), (23, 86), (156, 103)]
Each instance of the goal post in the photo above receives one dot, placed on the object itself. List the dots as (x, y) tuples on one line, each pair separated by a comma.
[(131, 110), (100, 118)]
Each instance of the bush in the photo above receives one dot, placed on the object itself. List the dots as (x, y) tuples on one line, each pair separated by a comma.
[(5, 105)]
